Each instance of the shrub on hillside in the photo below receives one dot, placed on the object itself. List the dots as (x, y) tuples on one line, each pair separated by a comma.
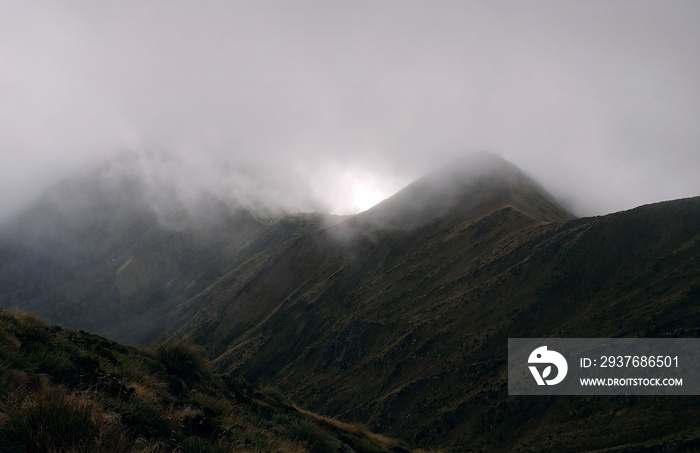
[(52, 419), (186, 361)]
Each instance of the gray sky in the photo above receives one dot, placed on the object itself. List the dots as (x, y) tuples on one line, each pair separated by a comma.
[(598, 100)]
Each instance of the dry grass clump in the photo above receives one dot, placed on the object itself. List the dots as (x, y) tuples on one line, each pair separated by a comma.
[(63, 390), (184, 360), (180, 415), (356, 428), (28, 318), (53, 419), (290, 446), (146, 393)]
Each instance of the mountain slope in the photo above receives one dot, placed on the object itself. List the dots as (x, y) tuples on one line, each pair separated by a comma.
[(97, 252), (466, 188), (400, 317), (67, 390), (397, 317), (447, 201)]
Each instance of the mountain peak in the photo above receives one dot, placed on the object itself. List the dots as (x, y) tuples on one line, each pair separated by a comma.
[(467, 187), (475, 164)]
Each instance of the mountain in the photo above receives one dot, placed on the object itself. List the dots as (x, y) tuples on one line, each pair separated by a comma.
[(445, 203), (67, 390), (106, 252), (466, 188), (397, 317), (400, 316)]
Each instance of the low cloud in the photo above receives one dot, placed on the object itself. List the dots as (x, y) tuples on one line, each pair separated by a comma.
[(306, 104)]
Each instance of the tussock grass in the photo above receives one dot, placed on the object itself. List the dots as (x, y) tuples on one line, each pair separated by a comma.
[(27, 318), (148, 394), (54, 419), (359, 429), (184, 360), (274, 393), (291, 446), (216, 405), (63, 390)]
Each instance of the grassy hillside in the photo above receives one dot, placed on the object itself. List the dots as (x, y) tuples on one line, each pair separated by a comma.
[(397, 317), (96, 254), (64, 390), (407, 329)]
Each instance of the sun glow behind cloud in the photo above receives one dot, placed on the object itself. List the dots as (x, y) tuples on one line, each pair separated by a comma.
[(388, 87), (354, 189), (366, 195)]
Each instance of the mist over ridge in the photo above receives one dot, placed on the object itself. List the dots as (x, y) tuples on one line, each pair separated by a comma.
[(351, 206), (599, 102), (397, 316), (173, 186), (462, 184), (157, 232)]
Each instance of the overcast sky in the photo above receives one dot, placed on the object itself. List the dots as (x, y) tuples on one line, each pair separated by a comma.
[(598, 100)]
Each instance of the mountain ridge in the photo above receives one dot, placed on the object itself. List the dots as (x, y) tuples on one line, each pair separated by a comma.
[(368, 229), (99, 257), (347, 343), (398, 317), (480, 182)]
